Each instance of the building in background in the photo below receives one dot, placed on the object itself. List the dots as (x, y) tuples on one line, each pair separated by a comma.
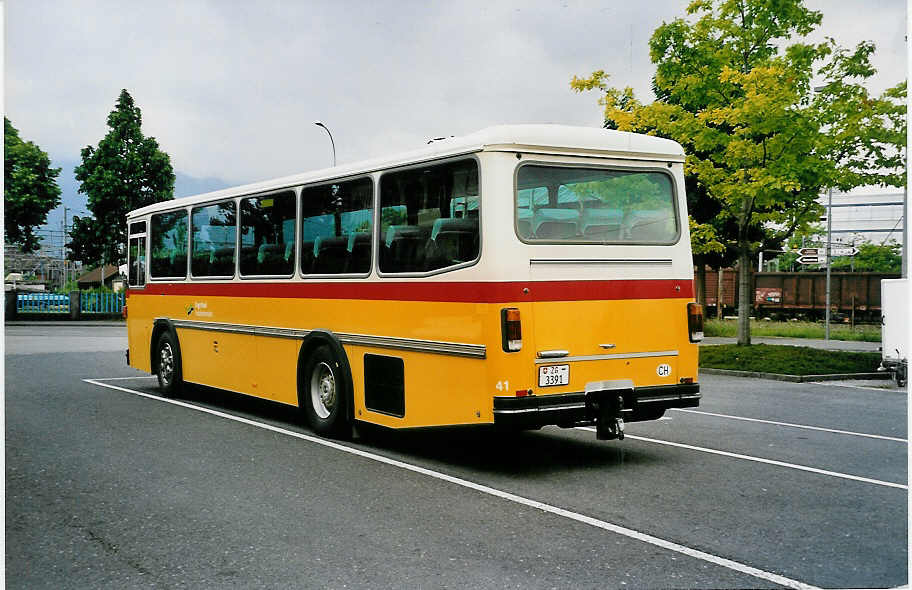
[(872, 214), (107, 276), (44, 267)]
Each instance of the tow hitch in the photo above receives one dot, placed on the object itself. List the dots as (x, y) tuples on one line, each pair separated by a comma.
[(605, 400), (608, 424)]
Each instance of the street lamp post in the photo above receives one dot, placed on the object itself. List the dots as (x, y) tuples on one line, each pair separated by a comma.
[(320, 124)]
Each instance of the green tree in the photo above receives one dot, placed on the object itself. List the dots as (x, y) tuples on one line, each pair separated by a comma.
[(873, 258), (30, 189), (125, 172), (86, 240), (735, 90)]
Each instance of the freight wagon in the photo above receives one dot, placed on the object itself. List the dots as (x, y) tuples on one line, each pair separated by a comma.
[(800, 294)]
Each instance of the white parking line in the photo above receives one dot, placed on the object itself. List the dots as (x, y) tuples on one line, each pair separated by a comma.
[(127, 378), (878, 482), (804, 426), (548, 508), (829, 383)]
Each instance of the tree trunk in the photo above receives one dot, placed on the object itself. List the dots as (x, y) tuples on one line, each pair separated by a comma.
[(700, 286), (720, 275), (744, 295)]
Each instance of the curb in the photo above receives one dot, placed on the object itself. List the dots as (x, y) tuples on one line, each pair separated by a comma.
[(795, 378)]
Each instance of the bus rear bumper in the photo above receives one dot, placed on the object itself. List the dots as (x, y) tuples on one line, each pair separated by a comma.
[(581, 408)]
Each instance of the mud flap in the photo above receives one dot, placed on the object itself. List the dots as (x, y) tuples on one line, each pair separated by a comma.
[(605, 401)]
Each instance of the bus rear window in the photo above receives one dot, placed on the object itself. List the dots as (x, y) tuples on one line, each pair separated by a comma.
[(558, 204)]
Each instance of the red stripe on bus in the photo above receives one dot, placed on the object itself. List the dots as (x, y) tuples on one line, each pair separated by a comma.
[(459, 292)]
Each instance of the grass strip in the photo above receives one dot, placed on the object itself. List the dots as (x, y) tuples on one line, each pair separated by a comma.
[(760, 328), (787, 360)]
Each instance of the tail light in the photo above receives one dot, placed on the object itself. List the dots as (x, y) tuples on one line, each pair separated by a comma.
[(123, 312), (695, 321), (510, 329)]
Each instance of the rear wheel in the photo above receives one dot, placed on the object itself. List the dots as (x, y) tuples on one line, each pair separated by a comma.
[(168, 368), (323, 394)]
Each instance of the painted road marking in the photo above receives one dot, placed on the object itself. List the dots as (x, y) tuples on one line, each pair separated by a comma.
[(829, 383), (878, 482), (548, 508), (804, 426), (128, 378)]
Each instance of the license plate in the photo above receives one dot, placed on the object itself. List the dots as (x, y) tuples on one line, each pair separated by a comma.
[(553, 375)]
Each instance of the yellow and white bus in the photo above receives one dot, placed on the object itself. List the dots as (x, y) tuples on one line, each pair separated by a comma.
[(523, 275)]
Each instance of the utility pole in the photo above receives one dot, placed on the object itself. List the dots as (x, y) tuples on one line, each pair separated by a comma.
[(63, 248), (828, 248), (905, 217)]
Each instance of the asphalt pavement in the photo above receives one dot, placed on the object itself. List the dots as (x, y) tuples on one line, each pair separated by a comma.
[(766, 484)]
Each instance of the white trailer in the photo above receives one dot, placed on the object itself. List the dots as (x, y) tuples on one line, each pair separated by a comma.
[(894, 305)]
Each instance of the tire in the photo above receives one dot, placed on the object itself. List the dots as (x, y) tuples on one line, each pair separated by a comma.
[(323, 394), (168, 364)]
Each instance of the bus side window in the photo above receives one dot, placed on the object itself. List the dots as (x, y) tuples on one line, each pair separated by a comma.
[(267, 230), (212, 240), (359, 252), (169, 245), (452, 241), (137, 271), (336, 227), (429, 217), (330, 255), (403, 249)]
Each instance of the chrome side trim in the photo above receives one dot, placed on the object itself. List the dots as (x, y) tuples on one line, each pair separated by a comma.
[(667, 398), (412, 344), (605, 357), (430, 346), (580, 406), (240, 329), (533, 261)]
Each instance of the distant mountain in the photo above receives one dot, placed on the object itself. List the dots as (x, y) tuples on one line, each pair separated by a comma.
[(184, 185)]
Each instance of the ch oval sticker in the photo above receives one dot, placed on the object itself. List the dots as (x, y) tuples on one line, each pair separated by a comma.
[(663, 370)]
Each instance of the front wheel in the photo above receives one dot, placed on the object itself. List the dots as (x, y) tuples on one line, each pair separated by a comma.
[(168, 369), (323, 394)]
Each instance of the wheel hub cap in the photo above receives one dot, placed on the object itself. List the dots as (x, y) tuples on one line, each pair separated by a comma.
[(323, 390), (166, 363)]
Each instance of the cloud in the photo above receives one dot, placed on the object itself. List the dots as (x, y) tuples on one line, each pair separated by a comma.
[(231, 89)]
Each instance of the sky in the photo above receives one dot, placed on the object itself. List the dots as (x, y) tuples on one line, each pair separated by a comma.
[(231, 90)]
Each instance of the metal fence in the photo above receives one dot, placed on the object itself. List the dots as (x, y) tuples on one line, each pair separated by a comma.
[(107, 303), (42, 303), (101, 302)]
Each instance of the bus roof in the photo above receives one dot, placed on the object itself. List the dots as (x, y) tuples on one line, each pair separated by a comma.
[(538, 139)]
